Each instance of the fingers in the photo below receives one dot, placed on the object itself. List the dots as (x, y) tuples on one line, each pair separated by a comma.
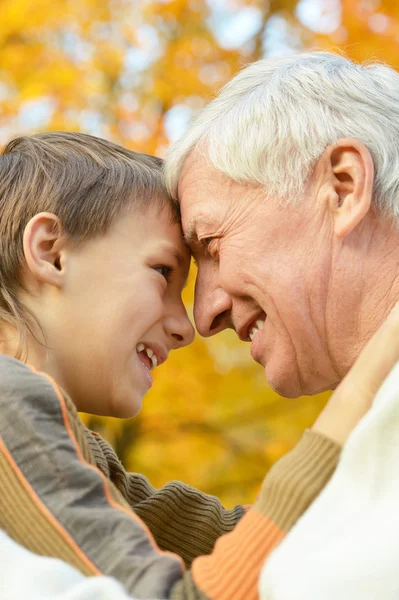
[(378, 357), (355, 394)]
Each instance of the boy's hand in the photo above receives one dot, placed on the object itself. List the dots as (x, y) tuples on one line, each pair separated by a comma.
[(355, 394)]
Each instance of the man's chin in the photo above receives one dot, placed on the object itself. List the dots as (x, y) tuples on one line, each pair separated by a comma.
[(283, 382), (284, 390), (288, 384)]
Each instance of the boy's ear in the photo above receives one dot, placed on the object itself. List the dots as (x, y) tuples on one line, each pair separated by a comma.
[(43, 244), (349, 183)]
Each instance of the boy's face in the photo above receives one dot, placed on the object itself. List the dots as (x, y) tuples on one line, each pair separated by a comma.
[(118, 312)]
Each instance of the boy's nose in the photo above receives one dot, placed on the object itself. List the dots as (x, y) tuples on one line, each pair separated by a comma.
[(180, 330)]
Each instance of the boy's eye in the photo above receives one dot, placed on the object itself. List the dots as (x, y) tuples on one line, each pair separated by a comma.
[(164, 271)]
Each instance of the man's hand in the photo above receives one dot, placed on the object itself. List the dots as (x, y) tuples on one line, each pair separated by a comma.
[(355, 394)]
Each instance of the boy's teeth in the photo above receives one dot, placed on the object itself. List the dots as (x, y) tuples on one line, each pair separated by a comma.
[(260, 323), (140, 347), (152, 357)]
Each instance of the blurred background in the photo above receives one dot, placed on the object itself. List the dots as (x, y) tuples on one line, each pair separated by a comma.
[(136, 72)]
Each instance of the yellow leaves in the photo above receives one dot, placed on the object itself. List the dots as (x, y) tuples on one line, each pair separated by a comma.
[(369, 30), (21, 17), (108, 58), (166, 9)]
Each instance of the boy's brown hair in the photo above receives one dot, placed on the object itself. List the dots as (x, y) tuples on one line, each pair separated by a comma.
[(86, 181)]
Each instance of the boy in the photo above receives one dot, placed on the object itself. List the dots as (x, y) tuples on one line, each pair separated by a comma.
[(92, 268)]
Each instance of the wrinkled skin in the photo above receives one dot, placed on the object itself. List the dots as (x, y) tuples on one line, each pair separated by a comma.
[(321, 273)]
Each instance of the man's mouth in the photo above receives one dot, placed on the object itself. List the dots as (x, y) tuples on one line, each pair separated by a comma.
[(255, 328), (254, 334)]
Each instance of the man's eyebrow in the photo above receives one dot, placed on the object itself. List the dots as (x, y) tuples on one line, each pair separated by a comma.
[(191, 236)]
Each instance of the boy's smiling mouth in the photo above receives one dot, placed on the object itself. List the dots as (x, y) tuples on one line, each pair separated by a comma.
[(152, 355), (147, 356)]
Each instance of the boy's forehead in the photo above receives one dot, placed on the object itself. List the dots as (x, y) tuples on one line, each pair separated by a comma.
[(166, 232), (158, 204)]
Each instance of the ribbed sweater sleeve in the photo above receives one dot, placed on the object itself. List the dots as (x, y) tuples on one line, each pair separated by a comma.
[(188, 522), (59, 498), (181, 518), (233, 568)]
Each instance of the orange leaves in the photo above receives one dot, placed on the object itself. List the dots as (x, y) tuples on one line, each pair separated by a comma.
[(71, 54), (166, 9), (22, 17), (369, 30)]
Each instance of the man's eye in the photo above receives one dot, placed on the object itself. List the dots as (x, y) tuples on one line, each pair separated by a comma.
[(206, 241), (210, 246), (164, 271)]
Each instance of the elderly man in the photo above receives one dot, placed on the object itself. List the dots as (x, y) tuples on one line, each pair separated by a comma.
[(288, 185)]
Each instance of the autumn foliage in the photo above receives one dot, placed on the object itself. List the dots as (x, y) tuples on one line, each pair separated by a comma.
[(136, 71)]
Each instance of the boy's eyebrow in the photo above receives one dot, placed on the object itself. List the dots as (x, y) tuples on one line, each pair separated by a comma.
[(181, 259)]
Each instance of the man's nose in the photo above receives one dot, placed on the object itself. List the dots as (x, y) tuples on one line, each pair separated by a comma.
[(212, 307)]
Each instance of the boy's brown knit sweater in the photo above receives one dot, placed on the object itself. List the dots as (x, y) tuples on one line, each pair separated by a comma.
[(65, 494)]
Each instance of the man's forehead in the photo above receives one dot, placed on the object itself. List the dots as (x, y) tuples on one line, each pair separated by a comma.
[(188, 175), (200, 191), (199, 177)]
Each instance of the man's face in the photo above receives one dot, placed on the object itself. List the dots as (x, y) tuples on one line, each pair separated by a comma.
[(264, 270)]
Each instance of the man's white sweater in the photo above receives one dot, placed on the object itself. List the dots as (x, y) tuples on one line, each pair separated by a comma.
[(346, 546)]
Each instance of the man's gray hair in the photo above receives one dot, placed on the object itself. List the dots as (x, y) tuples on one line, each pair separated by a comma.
[(271, 123)]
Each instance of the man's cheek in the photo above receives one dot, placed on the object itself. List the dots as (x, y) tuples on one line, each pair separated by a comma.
[(231, 275)]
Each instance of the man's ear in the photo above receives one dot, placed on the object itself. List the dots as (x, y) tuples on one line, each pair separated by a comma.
[(350, 181), (43, 244)]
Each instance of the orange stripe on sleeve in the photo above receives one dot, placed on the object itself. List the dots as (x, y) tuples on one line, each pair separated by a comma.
[(47, 514), (233, 568), (101, 474)]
